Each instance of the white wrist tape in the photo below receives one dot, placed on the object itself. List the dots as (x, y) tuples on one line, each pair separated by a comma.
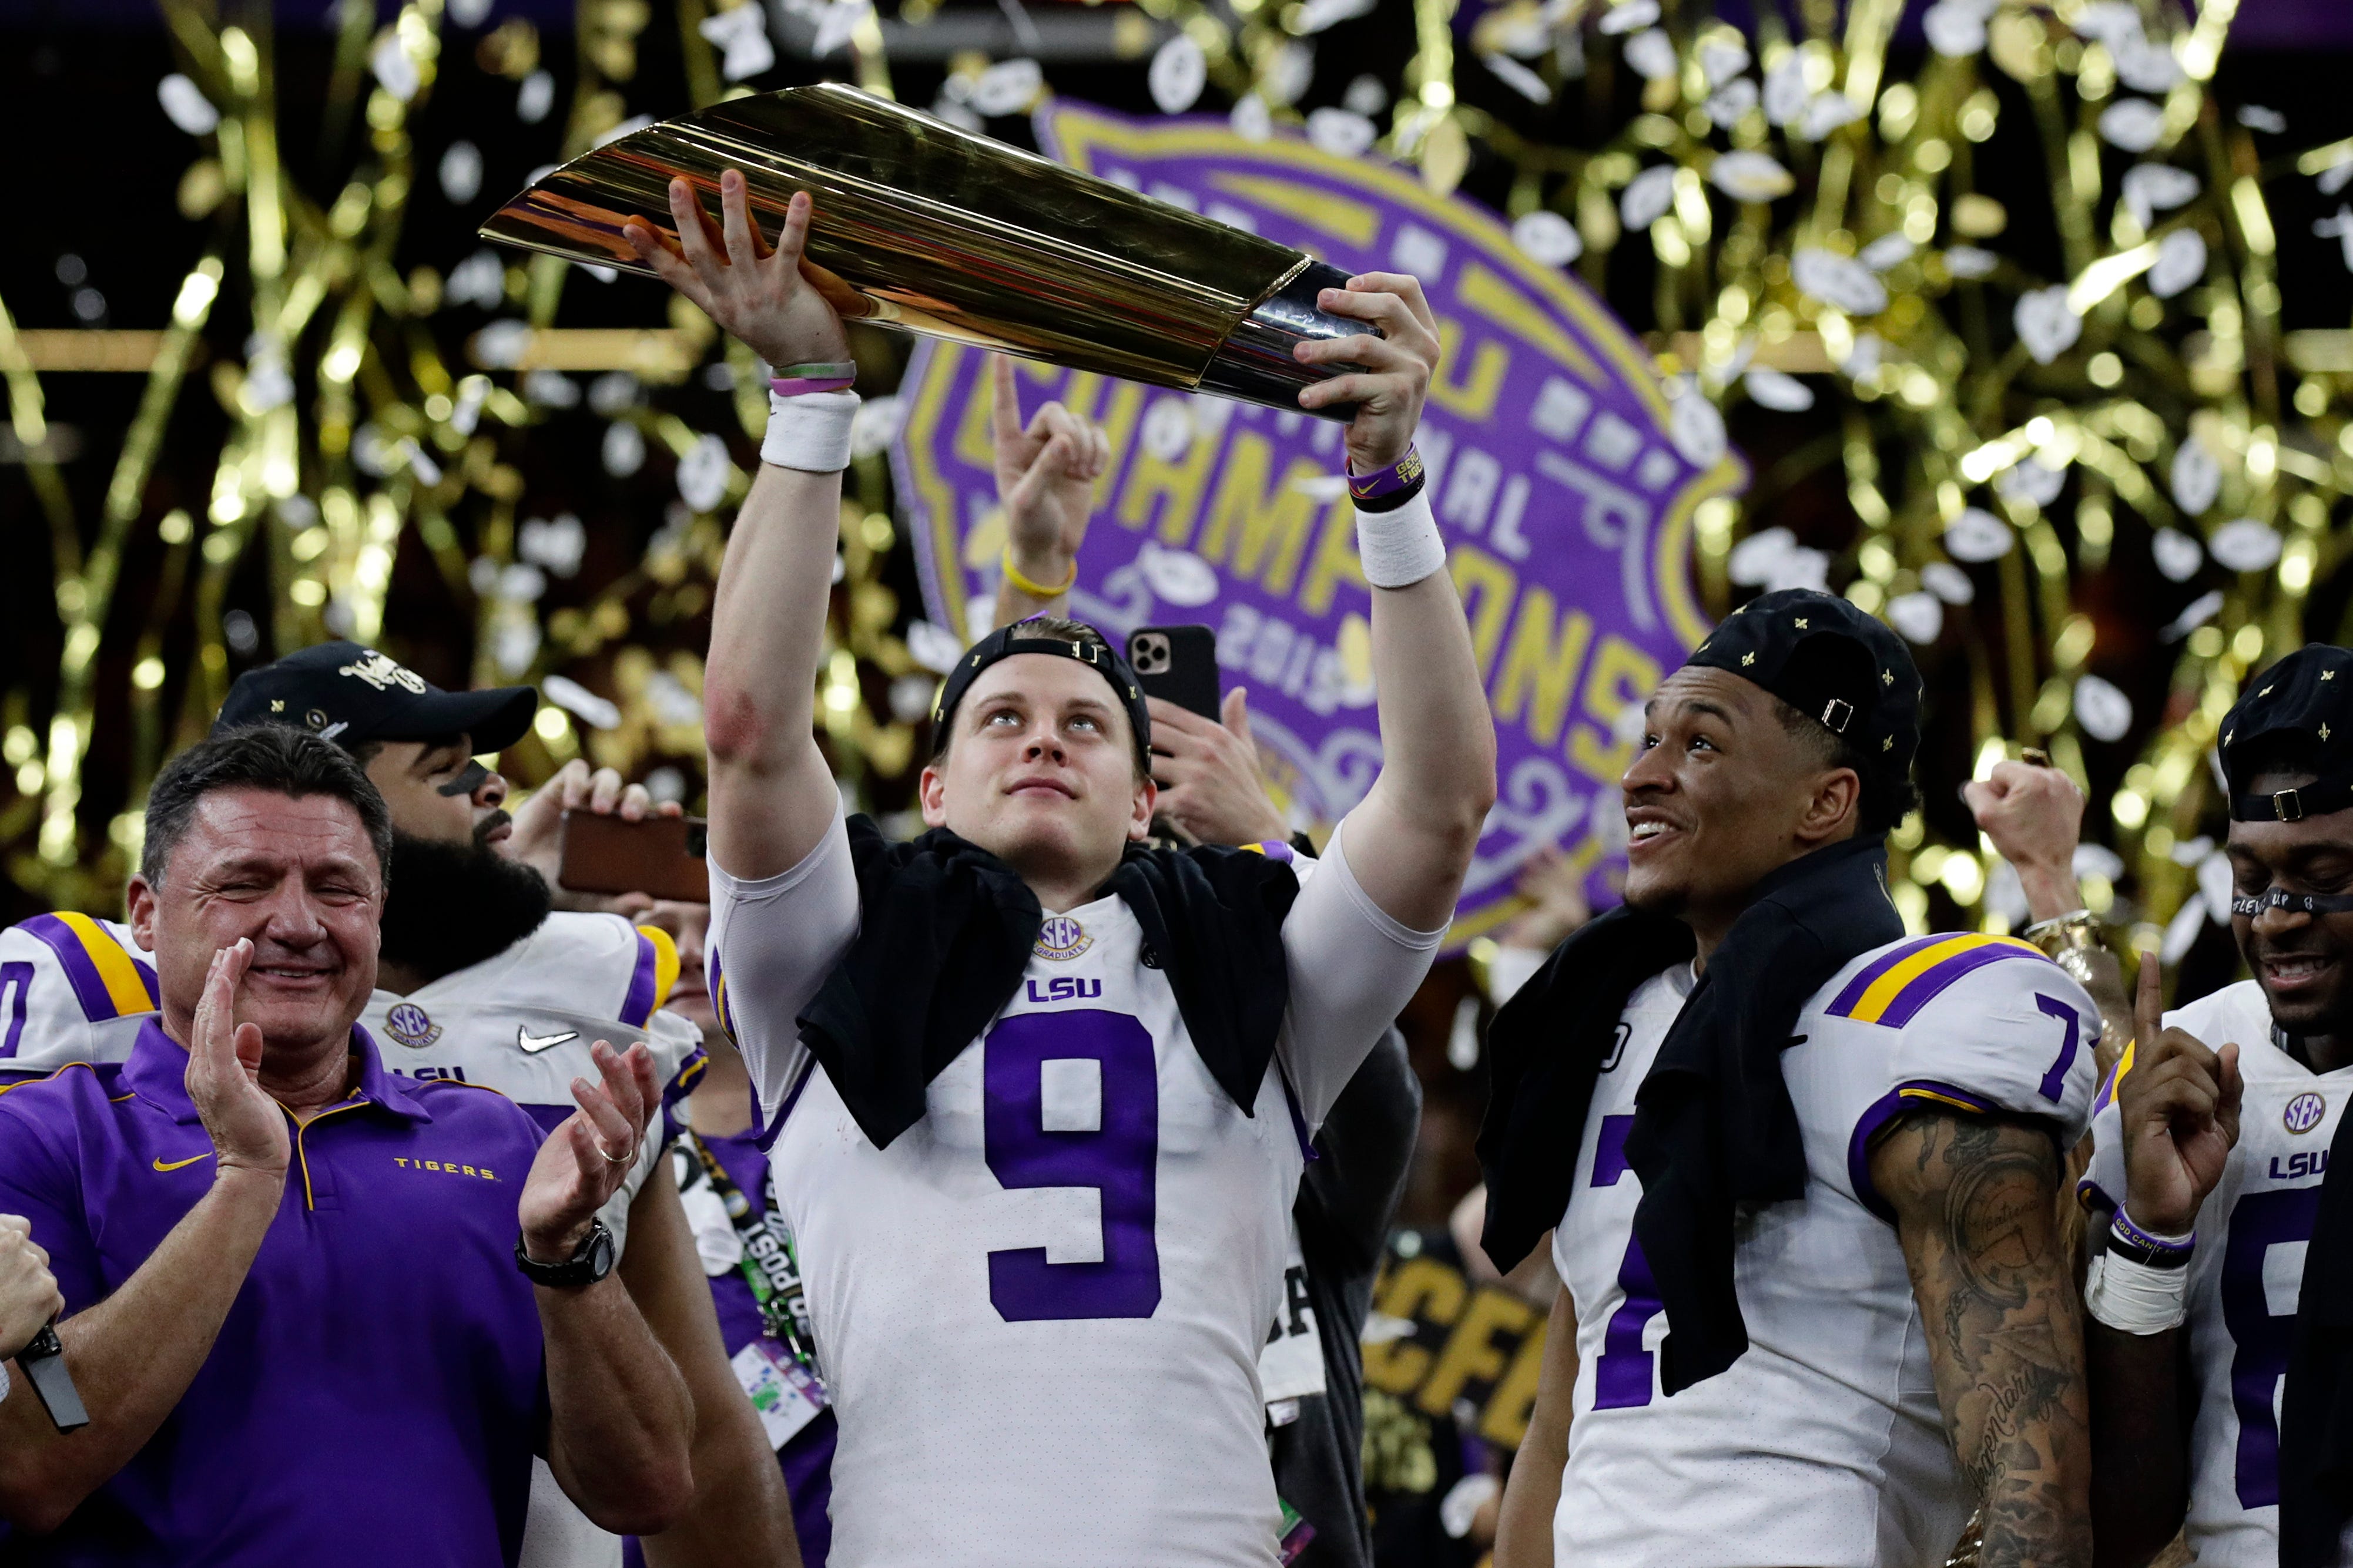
[(810, 432), (2134, 1298), (1400, 548)]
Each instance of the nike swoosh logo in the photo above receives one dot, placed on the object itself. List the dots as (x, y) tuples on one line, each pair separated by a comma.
[(189, 1161), (533, 1043)]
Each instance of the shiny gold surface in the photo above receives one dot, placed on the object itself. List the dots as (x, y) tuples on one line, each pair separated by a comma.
[(945, 232)]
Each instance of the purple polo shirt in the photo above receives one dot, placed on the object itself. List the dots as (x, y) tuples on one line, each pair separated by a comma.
[(376, 1391)]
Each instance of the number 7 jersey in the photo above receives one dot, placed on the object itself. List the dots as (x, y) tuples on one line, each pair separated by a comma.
[(1823, 1443), (2248, 1272)]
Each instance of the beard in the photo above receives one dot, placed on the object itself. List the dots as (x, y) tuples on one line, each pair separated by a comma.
[(449, 906)]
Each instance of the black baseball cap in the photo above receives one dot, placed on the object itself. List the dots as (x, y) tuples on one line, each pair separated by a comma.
[(349, 694), (1843, 668), (1094, 651), (2308, 694)]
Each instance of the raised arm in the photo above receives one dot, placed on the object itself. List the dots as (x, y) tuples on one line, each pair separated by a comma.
[(1421, 820), (1046, 474), (772, 796), (1975, 1205), (1532, 1494)]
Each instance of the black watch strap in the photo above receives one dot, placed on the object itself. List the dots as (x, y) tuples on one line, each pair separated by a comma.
[(589, 1262)]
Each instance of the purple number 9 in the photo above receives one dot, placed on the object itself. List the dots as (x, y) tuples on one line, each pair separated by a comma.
[(1117, 1157)]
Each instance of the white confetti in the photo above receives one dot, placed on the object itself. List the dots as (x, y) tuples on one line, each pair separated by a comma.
[(2104, 712), (1007, 87), (2031, 480), (2182, 932), (1177, 577), (1756, 559), (2180, 261), (933, 646), (186, 105), (1862, 360), (2132, 123), (1647, 196), (703, 473), (1366, 95), (501, 344), (1287, 75), (743, 33), (534, 97), (1839, 280), (2046, 323), (2245, 545), (1179, 71), (1977, 535), (1785, 89), (551, 389), (2153, 188), (460, 172), (2195, 613), (1250, 118), (1168, 430), (2107, 21), (624, 450), (1968, 261), (1825, 113), (1697, 429), (1949, 582), (1652, 54), (2256, 116), (1721, 59), (875, 425), (394, 67), (1919, 616), (1955, 31), (1726, 105), (1750, 177), (1546, 238), (2216, 883), (2341, 227), (558, 545), (2145, 67), (597, 712), (1630, 14), (1340, 132), (1888, 250), (2178, 554), (1774, 389), (1518, 77), (1317, 14), (2196, 477)]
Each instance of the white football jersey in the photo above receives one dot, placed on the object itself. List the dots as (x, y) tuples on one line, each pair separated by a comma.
[(1039, 1311), (72, 989), (2248, 1270), (520, 1022), (1822, 1445)]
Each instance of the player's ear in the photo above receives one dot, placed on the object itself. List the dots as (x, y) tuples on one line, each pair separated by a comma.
[(931, 791), (139, 904), (1834, 806), (1147, 799)]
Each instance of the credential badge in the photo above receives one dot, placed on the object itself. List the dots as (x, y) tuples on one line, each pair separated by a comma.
[(2304, 1112), (1061, 938), (408, 1024)]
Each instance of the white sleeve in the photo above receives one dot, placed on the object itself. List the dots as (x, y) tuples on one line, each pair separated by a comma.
[(772, 942), (2012, 1036), (1353, 969)]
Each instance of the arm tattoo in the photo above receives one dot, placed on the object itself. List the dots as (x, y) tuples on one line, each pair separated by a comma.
[(1977, 1206)]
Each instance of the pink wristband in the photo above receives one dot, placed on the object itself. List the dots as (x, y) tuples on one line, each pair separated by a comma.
[(799, 380)]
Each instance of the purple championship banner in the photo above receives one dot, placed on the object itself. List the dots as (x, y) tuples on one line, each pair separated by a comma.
[(1565, 498)]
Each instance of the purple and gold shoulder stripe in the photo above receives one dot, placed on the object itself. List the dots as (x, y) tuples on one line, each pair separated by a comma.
[(107, 980), (656, 972), (1893, 988), (1274, 849)]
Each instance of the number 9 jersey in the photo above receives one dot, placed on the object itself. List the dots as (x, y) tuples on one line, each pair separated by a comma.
[(1823, 1443), (2248, 1270)]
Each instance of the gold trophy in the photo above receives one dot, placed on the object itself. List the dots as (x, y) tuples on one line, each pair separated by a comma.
[(943, 231)]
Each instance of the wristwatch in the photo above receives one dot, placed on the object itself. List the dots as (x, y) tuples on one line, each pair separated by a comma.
[(589, 1262)]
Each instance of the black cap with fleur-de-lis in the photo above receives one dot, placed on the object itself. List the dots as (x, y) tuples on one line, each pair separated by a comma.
[(1839, 667), (2308, 696)]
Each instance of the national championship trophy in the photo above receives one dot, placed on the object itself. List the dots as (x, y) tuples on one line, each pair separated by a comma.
[(946, 232)]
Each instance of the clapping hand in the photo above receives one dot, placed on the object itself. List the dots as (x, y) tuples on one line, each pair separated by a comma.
[(224, 1080), (2180, 1110), (783, 307), (585, 1160)]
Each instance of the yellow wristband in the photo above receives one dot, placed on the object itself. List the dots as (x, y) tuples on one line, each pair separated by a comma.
[(1036, 590)]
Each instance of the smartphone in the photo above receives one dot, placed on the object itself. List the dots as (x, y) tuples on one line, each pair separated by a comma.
[(661, 856), (1177, 664)]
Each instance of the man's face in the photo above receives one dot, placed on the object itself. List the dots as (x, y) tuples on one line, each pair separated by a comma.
[(2303, 962), (412, 775), (1720, 796), (1042, 771), (298, 876)]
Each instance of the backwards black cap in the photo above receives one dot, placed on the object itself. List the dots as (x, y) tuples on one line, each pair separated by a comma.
[(1831, 662), (350, 694), (2307, 694), (1092, 650)]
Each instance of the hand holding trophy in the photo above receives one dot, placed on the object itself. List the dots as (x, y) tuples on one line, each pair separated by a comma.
[(783, 307)]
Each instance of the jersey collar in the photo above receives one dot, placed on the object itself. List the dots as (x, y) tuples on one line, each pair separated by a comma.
[(157, 1073)]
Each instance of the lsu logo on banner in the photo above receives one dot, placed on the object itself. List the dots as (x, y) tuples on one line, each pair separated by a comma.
[(1555, 469)]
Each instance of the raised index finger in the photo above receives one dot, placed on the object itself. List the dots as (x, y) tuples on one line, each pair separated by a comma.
[(1006, 419), (2149, 1005)]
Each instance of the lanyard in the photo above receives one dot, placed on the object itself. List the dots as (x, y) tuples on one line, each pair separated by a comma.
[(769, 1263)]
